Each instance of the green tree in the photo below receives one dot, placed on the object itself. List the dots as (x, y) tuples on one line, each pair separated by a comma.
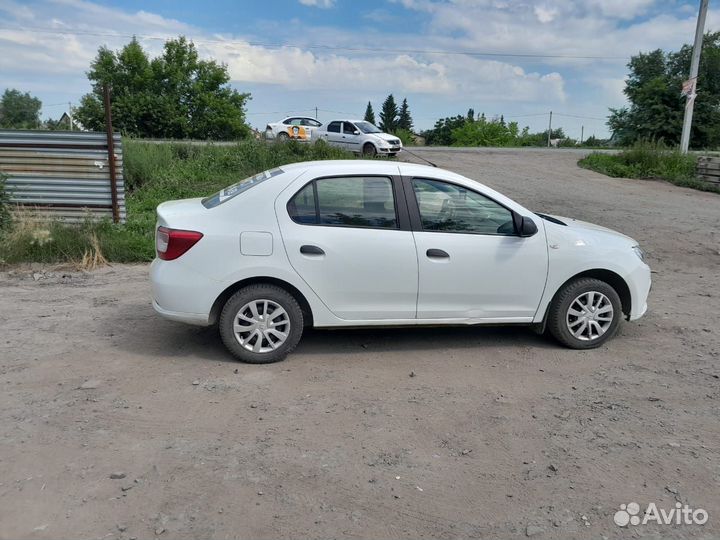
[(389, 115), (471, 115), (175, 95), (656, 106), (369, 113), (19, 110), (404, 120), (441, 133)]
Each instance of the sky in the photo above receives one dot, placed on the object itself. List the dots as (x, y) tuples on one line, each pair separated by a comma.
[(518, 58)]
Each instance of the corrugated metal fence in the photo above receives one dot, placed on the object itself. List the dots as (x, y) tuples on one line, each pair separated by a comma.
[(62, 175)]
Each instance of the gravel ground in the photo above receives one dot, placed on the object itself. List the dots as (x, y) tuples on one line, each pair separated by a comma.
[(442, 433)]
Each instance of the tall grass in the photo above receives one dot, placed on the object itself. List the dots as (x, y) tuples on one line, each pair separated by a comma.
[(649, 160), (153, 173)]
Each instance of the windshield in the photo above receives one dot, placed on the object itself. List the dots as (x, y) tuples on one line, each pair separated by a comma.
[(243, 185), (367, 127)]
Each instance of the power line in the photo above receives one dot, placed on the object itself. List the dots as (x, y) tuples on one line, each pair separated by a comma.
[(279, 45)]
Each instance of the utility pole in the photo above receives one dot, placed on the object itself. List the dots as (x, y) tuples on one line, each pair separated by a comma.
[(694, 65), (111, 153), (315, 112), (70, 115), (550, 129), (582, 133)]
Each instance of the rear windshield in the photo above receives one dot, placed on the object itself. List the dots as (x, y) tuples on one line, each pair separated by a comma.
[(243, 185)]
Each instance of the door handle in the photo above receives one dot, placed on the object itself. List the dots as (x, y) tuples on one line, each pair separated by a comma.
[(437, 254), (311, 250)]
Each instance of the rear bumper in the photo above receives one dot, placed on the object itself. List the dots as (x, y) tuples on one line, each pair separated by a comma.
[(198, 319), (181, 294)]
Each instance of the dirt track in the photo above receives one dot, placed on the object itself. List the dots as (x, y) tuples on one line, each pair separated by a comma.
[(444, 433)]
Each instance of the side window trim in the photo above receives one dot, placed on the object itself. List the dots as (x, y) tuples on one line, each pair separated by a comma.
[(414, 207), (402, 213)]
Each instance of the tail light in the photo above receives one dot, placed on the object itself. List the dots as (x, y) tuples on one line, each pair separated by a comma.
[(172, 243)]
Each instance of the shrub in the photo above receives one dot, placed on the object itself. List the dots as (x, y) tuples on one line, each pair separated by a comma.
[(650, 160), (406, 136)]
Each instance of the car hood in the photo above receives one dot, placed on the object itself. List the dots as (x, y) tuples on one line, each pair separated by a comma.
[(386, 137), (580, 227)]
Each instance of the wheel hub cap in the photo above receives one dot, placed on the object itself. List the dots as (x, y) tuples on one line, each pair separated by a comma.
[(589, 316), (261, 326)]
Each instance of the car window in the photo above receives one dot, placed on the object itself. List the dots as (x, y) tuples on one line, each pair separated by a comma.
[(453, 208), (349, 127), (346, 201), (334, 127), (243, 185), (310, 122), (295, 121)]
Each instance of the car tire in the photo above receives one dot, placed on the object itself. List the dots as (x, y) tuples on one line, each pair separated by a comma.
[(585, 313), (282, 136), (261, 314), (369, 150)]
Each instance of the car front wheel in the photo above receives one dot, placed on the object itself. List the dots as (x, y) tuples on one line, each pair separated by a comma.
[(261, 324), (369, 150), (585, 313)]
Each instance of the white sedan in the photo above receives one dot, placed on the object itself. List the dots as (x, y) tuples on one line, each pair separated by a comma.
[(365, 243), (293, 127)]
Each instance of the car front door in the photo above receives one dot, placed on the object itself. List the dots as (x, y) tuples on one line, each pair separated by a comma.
[(351, 243), (472, 264), (350, 138)]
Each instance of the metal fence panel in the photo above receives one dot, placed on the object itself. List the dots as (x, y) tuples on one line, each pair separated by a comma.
[(62, 175)]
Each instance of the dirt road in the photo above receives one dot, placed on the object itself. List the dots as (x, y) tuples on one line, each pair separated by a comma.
[(443, 433)]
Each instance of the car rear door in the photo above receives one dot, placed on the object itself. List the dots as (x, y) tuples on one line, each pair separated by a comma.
[(471, 262), (350, 241), (333, 134)]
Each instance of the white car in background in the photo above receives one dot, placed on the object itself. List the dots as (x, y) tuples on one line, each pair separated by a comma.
[(293, 127), (379, 243), (360, 137)]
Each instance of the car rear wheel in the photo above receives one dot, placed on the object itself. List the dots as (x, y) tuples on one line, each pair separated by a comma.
[(261, 324), (369, 150), (282, 136), (585, 313)]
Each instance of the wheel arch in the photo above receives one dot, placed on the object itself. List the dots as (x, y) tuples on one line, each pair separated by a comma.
[(613, 279), (369, 143), (235, 287)]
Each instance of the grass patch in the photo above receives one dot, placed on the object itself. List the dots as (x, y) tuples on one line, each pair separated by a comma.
[(649, 160), (154, 173)]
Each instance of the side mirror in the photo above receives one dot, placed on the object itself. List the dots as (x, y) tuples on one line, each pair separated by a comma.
[(356, 132), (524, 226)]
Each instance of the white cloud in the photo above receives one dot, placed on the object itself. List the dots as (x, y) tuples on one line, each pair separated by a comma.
[(16, 10), (545, 14), (318, 3)]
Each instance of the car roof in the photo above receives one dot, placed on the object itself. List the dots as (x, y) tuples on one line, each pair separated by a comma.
[(298, 116), (347, 120), (356, 166)]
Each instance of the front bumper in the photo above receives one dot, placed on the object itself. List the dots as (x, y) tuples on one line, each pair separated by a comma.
[(639, 282)]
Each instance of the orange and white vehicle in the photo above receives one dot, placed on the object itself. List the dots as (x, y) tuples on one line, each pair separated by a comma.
[(293, 127)]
